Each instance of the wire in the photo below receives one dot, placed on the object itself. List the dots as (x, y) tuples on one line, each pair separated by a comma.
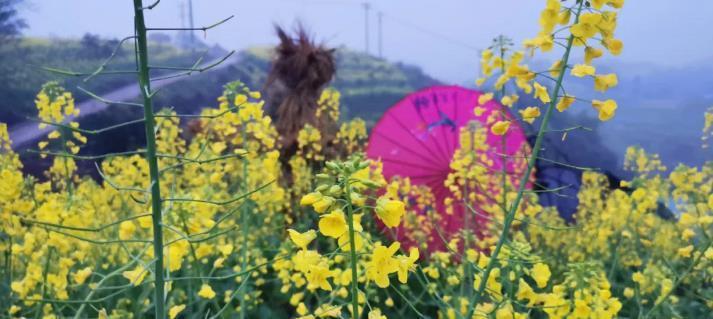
[(407, 24), (431, 32)]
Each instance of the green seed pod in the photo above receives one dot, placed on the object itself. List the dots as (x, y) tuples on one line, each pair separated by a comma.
[(333, 166), (363, 165), (335, 190), (369, 183)]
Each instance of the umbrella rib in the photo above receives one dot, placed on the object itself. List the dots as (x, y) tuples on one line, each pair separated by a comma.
[(405, 128), (443, 130), (430, 160), (420, 115), (435, 160), (429, 168), (455, 137), (427, 176), (444, 138)]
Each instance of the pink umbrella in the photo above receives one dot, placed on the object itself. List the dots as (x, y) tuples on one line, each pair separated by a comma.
[(417, 137)]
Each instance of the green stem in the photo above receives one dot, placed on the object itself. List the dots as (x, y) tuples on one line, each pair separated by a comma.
[(245, 229), (8, 270), (680, 279), (523, 181), (90, 295), (352, 250), (45, 272), (156, 214)]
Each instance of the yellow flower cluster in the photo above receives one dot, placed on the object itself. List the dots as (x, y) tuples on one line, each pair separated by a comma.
[(309, 143), (707, 127), (71, 238), (343, 189), (652, 236), (584, 23), (54, 104), (328, 104), (352, 136), (345, 241)]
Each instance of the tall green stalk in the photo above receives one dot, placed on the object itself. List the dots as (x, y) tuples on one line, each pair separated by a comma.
[(245, 228), (149, 121), (530, 165), (352, 249)]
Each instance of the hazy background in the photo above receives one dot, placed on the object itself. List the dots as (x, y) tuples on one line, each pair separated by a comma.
[(443, 37), (665, 71)]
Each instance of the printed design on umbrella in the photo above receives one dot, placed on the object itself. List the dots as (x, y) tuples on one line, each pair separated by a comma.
[(417, 137)]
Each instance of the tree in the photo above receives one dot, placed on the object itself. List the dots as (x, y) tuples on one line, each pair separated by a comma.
[(10, 23)]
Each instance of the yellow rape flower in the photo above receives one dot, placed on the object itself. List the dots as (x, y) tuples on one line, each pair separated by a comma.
[(81, 276), (591, 53), (206, 292), (310, 198), (606, 109), (126, 230), (240, 99), (343, 241), (478, 111), (541, 274), (628, 292), (530, 113), (14, 309), (485, 98), (524, 291), (587, 26), (509, 100), (323, 204), (302, 239), (333, 224), (614, 46), (565, 102), (582, 70), (135, 276), (500, 127), (328, 311), (406, 264), (390, 211), (226, 249), (301, 309), (255, 95), (541, 93), (685, 251), (605, 82), (317, 277), (175, 310), (382, 264), (376, 314)]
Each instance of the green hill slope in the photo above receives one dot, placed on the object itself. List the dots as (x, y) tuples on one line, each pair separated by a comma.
[(369, 85)]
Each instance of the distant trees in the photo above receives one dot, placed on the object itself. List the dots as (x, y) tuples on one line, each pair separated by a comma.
[(10, 23), (94, 47), (159, 37)]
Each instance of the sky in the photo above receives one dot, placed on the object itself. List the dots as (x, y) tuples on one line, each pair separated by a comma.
[(441, 36)]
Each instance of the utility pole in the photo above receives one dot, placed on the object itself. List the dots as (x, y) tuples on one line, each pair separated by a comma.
[(367, 7), (380, 35), (181, 39), (190, 22)]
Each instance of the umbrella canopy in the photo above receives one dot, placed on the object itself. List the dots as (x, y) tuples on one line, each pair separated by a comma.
[(417, 137)]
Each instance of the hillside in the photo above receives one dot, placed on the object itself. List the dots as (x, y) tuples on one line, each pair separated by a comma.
[(23, 78), (369, 85)]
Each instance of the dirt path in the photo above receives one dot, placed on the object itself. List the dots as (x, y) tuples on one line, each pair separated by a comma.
[(24, 133)]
